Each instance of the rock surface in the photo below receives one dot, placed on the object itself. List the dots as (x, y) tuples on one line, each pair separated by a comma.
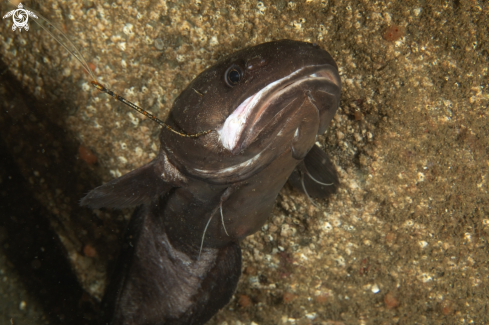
[(406, 238)]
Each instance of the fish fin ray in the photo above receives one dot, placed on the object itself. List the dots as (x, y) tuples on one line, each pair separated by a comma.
[(136, 187), (320, 176)]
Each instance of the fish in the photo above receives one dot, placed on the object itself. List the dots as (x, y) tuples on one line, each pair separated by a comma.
[(181, 259)]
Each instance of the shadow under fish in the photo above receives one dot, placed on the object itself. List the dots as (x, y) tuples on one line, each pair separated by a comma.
[(201, 196)]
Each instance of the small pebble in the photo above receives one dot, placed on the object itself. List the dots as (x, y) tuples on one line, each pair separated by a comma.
[(322, 298), (159, 44), (447, 307), (375, 288), (390, 301), (289, 297), (393, 33), (390, 238), (249, 270), (89, 251), (86, 155), (244, 301)]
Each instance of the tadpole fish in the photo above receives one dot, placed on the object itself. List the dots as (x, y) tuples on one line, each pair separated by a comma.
[(201, 196)]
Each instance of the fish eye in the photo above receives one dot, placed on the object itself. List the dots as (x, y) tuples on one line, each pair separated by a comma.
[(233, 75)]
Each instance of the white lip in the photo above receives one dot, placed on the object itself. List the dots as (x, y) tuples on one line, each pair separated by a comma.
[(234, 126), (232, 170)]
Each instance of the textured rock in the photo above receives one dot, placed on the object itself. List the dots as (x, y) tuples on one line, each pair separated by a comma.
[(410, 142)]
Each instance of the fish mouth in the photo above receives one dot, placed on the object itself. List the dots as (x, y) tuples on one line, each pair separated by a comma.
[(265, 109)]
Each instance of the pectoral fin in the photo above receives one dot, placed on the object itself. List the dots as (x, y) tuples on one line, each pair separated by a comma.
[(316, 175), (137, 187)]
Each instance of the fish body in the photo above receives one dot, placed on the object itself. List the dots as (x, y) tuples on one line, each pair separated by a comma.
[(200, 196)]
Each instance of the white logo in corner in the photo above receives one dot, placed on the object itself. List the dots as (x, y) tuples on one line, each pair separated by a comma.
[(20, 17)]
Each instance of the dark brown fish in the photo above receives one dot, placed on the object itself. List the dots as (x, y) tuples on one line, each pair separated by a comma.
[(201, 196)]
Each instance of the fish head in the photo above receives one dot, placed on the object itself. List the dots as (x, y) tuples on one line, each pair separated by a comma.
[(258, 101)]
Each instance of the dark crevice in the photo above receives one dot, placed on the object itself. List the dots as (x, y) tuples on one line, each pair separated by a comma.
[(35, 252)]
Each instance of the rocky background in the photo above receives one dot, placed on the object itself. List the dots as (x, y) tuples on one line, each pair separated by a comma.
[(404, 241)]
